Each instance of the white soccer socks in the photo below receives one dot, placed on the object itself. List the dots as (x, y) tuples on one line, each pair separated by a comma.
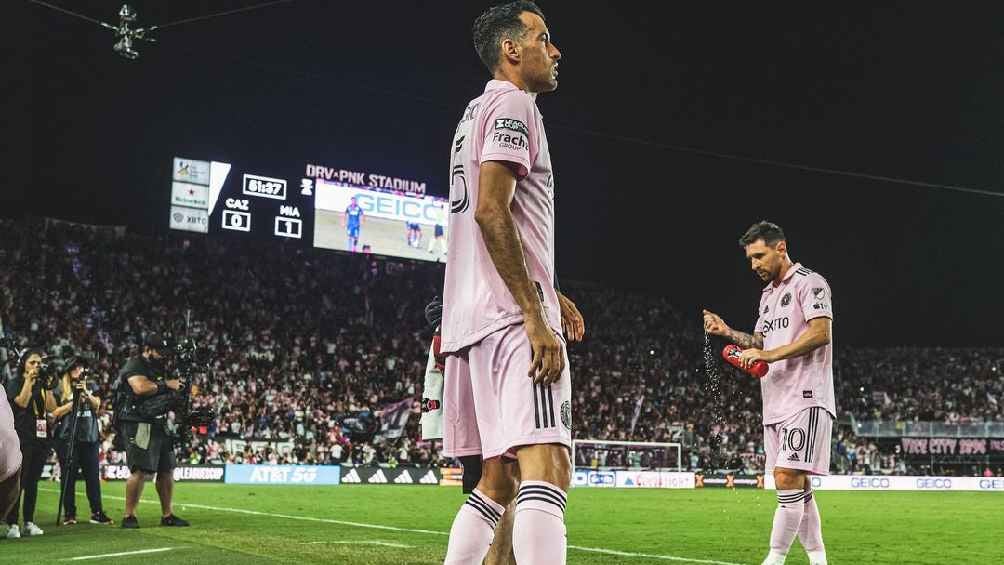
[(473, 530), (538, 533), (810, 532), (787, 518)]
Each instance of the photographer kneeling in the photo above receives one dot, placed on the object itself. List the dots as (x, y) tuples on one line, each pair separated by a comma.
[(149, 395), (72, 387)]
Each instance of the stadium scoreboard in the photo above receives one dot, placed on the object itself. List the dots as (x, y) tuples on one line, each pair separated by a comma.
[(318, 206)]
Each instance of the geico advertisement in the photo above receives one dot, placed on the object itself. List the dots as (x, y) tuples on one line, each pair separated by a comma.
[(336, 198), (868, 482), (283, 474)]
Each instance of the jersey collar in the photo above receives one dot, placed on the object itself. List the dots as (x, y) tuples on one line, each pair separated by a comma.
[(791, 272), (504, 85)]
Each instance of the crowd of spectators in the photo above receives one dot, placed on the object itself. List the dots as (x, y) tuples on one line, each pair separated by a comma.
[(307, 347)]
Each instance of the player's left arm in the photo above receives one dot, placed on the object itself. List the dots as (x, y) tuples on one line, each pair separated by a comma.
[(819, 333)]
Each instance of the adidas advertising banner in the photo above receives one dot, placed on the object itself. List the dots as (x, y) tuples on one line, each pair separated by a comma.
[(719, 480), (652, 479), (868, 482), (369, 475), (283, 474), (182, 473)]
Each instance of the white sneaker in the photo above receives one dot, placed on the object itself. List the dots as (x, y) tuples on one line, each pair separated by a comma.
[(30, 529), (774, 558), (13, 532)]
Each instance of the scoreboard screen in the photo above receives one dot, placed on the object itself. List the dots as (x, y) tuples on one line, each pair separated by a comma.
[(364, 220), (342, 210), (214, 197)]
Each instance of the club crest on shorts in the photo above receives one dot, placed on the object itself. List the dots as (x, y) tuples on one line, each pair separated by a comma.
[(566, 415), (786, 299)]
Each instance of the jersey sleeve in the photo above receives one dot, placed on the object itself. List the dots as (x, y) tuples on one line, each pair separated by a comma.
[(510, 134), (814, 298)]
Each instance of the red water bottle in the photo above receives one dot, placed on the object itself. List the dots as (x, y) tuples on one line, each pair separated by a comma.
[(731, 354)]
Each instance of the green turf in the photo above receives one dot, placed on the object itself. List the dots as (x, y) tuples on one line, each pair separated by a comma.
[(720, 525)]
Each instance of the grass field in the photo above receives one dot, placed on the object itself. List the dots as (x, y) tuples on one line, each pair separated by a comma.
[(405, 524)]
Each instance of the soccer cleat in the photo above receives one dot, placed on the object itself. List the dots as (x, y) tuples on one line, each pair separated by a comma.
[(30, 529), (130, 523), (13, 532), (174, 522), (101, 518), (774, 558), (69, 520)]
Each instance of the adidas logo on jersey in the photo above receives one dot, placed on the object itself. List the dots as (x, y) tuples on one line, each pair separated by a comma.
[(378, 478), (352, 477), (404, 479), (429, 479), (794, 457)]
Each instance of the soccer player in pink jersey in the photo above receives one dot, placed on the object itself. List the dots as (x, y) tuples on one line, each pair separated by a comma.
[(507, 390), (10, 457), (793, 334)]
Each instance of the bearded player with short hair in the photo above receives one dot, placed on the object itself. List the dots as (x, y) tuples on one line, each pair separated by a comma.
[(793, 334)]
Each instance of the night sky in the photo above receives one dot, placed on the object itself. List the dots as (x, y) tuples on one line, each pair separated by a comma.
[(894, 91)]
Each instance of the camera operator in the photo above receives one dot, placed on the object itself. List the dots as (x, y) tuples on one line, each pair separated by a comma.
[(86, 443), (149, 395), (31, 409)]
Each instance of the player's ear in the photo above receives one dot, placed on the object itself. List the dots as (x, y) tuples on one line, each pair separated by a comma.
[(510, 50), (782, 247)]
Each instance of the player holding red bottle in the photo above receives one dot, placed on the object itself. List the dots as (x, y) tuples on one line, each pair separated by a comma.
[(793, 333)]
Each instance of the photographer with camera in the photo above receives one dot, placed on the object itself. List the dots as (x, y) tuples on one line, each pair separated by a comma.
[(145, 396), (32, 408), (79, 452)]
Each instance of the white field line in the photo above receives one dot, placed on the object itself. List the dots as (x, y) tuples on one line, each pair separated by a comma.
[(420, 531), (122, 554), (371, 542)]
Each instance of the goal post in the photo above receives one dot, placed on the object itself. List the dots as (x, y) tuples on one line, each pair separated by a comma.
[(609, 454)]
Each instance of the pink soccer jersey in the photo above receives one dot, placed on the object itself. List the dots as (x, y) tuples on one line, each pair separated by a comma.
[(503, 124), (795, 384), (10, 447)]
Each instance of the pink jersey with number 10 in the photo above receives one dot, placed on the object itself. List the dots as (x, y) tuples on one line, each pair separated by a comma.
[(503, 124), (792, 385)]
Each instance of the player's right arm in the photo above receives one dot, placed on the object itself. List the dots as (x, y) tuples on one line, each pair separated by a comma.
[(497, 182), (715, 325)]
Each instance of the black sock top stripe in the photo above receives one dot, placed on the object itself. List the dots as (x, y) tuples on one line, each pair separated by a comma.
[(487, 506), (541, 499), (484, 509), (540, 495), (491, 521), (529, 488)]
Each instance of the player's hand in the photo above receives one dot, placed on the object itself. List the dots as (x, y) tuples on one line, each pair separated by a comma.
[(572, 323), (173, 384), (715, 325), (752, 355), (548, 358)]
